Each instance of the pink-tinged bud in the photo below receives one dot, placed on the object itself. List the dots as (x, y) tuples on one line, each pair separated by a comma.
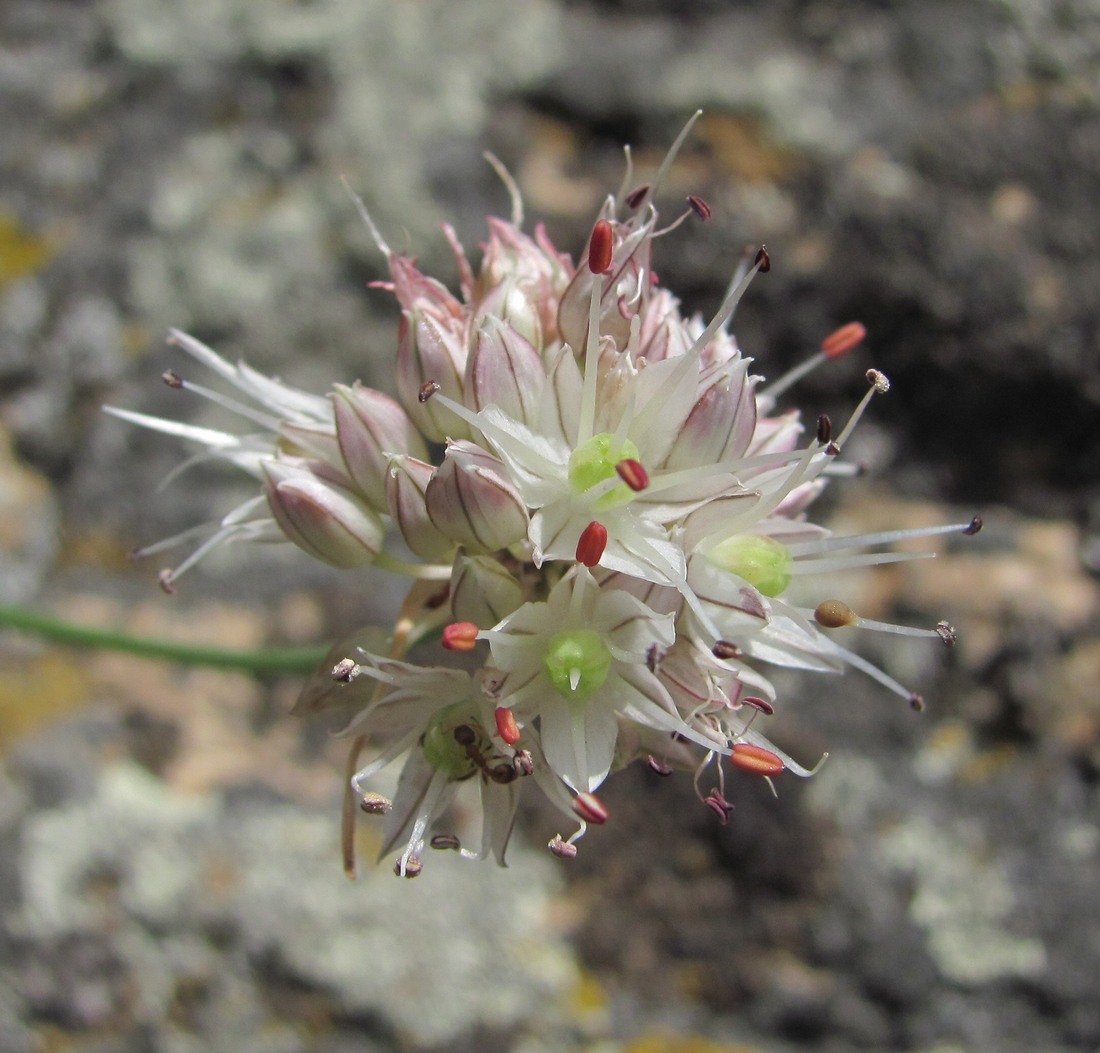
[(633, 473), (320, 516), (561, 848), (483, 591), (406, 481), (721, 424), (593, 541), (470, 500), (504, 370), (507, 728), (590, 808), (508, 303), (310, 441), (460, 636), (370, 427), (842, 340), (600, 247), (755, 759), (431, 350)]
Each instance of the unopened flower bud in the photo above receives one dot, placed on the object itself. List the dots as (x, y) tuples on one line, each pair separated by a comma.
[(430, 350), (470, 500), (503, 370), (370, 427), (406, 482), (319, 515), (482, 590)]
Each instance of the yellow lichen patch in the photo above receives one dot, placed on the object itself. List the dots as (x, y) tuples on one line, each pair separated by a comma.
[(36, 692), (21, 253), (662, 1042)]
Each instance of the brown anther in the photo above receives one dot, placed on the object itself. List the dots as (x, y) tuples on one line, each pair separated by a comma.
[(755, 759), (699, 207), (879, 381), (165, 580), (947, 633), (763, 262), (590, 808), (916, 703), (658, 767), (591, 544), (600, 247), (724, 649), (507, 728), (653, 656), (445, 843), (375, 804), (760, 704), (412, 868), (824, 429), (562, 849), (842, 340), (427, 390), (719, 805), (636, 196), (346, 670), (460, 636), (834, 614), (974, 526), (172, 379), (831, 449), (633, 473)]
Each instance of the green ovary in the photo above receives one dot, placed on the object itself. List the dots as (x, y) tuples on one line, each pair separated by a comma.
[(594, 461), (441, 750), (577, 663), (762, 561)]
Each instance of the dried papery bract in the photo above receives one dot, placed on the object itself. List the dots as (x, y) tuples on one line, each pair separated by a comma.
[(605, 514)]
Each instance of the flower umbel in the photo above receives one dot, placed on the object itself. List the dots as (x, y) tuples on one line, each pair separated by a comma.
[(608, 513)]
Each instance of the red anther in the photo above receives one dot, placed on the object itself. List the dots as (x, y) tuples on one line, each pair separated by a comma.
[(593, 541), (658, 767), (507, 728), (590, 808), (763, 261), (755, 759), (699, 207), (725, 649), (600, 247), (761, 704), (562, 849), (427, 390), (172, 378), (375, 804), (842, 340), (460, 636), (636, 196), (633, 473), (973, 526)]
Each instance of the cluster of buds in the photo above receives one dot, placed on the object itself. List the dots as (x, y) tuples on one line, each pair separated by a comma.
[(606, 509)]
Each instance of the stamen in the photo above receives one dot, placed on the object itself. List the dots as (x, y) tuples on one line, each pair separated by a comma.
[(408, 868), (946, 633), (586, 426), (593, 541), (699, 207), (724, 649), (510, 185), (507, 728), (763, 261), (590, 808), (761, 705), (719, 805), (884, 537), (446, 843), (973, 526), (657, 767), (165, 580), (600, 247), (824, 429), (172, 378), (346, 670), (841, 341), (562, 849), (755, 759), (879, 385), (637, 196), (633, 473), (460, 636), (427, 390), (375, 804), (834, 614)]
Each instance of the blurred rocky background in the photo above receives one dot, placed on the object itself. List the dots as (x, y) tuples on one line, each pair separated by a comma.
[(169, 872)]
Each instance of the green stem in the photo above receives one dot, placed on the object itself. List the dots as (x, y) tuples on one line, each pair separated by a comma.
[(265, 660)]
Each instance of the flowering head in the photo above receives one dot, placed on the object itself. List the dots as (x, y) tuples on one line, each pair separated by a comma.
[(606, 510)]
